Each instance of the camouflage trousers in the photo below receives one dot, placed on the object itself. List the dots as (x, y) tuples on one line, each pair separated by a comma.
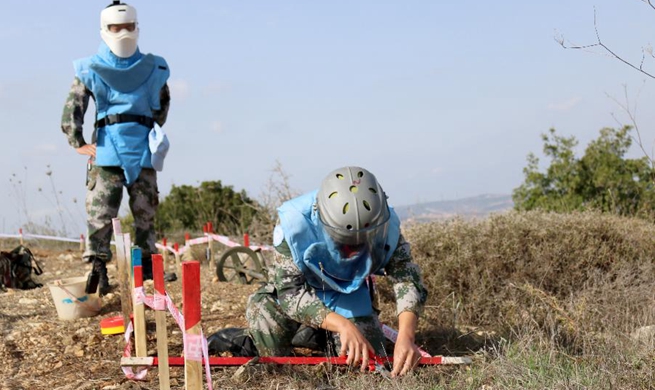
[(103, 201), (272, 330)]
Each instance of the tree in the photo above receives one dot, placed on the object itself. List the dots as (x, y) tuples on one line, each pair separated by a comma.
[(189, 208), (602, 179)]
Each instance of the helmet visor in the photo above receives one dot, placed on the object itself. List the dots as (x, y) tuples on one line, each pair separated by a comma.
[(351, 245), (116, 28)]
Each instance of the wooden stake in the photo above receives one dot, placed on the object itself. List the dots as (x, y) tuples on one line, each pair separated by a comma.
[(178, 266), (139, 306), (165, 251), (123, 272), (192, 331), (20, 234), (160, 321), (127, 240), (210, 246)]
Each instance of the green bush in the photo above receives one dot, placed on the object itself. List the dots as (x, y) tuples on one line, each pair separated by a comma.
[(188, 209), (602, 179)]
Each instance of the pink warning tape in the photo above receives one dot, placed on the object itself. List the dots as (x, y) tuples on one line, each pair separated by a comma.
[(195, 346), (392, 335), (203, 240)]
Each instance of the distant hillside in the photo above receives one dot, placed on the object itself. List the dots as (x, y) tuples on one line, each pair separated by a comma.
[(467, 208)]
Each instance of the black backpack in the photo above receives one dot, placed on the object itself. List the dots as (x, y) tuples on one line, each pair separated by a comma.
[(16, 269)]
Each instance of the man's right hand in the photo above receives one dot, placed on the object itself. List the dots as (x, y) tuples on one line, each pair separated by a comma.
[(87, 150), (353, 342)]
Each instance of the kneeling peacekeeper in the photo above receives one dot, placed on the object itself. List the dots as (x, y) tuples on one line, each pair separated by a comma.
[(328, 243), (131, 95)]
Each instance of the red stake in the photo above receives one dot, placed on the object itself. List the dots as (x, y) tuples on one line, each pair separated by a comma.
[(192, 327), (191, 293)]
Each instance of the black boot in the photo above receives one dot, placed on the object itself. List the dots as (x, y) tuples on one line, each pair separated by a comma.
[(234, 340), (98, 276), (104, 278), (307, 337), (146, 262)]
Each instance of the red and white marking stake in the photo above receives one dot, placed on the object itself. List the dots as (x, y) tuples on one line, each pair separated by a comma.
[(139, 307), (192, 330)]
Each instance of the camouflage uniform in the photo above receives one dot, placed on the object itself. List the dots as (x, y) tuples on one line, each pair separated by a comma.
[(277, 310), (105, 184)]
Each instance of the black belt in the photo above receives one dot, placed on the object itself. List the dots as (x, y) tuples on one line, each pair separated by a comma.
[(123, 118)]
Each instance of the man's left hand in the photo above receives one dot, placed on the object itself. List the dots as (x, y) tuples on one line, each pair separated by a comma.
[(405, 356)]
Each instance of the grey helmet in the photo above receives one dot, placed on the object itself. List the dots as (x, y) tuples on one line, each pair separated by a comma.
[(350, 202)]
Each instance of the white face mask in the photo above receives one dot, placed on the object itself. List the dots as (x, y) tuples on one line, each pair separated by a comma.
[(123, 43)]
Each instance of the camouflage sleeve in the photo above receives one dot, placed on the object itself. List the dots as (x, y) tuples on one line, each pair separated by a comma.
[(165, 102), (297, 299), (72, 119), (405, 275)]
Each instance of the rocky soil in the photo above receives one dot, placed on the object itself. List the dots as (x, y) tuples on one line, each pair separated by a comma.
[(40, 351)]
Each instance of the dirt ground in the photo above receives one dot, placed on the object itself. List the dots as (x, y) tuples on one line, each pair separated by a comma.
[(40, 351)]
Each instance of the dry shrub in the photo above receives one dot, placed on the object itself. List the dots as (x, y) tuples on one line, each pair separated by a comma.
[(577, 279)]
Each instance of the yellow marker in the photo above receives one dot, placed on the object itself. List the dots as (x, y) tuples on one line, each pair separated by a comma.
[(112, 325)]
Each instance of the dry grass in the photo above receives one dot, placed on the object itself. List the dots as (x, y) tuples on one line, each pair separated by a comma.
[(544, 300), (539, 300)]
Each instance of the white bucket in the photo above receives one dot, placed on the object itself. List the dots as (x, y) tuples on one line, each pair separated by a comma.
[(70, 299)]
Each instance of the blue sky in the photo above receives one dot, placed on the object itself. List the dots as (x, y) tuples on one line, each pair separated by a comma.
[(441, 100)]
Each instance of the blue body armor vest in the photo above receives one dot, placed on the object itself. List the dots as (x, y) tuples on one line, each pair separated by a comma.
[(301, 228), (123, 86)]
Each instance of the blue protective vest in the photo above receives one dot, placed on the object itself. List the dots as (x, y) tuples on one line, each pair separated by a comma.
[(123, 86), (302, 231)]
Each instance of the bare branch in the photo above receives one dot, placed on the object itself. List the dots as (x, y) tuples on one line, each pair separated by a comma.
[(599, 43), (631, 112), (649, 3)]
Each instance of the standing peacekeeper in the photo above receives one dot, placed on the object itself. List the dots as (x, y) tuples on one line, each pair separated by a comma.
[(328, 243), (131, 95)]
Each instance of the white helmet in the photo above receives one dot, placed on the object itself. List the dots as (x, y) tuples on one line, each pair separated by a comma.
[(119, 28)]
